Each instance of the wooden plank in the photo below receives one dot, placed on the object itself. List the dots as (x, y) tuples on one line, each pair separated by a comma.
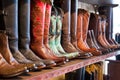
[(46, 74)]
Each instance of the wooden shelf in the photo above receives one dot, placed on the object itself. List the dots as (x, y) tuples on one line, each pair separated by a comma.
[(46, 74), (109, 3)]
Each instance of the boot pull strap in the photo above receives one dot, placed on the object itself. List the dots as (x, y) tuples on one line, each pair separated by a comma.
[(54, 11)]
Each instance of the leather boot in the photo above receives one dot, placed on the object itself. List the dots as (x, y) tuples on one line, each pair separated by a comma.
[(37, 30), (103, 25), (7, 70), (73, 26), (52, 33), (93, 26), (24, 35), (82, 44), (91, 43), (96, 43), (66, 40), (86, 16), (74, 11), (6, 53), (58, 30), (100, 38), (4, 44), (11, 23), (46, 32)]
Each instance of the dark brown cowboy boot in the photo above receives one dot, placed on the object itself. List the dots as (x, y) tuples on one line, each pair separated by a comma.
[(37, 30), (66, 39), (103, 25), (91, 43), (73, 26), (24, 35), (100, 36), (7, 70), (96, 43), (93, 26)]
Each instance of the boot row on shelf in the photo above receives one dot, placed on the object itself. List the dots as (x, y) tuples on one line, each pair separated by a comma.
[(35, 34)]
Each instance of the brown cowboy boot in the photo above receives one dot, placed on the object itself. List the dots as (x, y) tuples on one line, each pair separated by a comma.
[(91, 43), (7, 70), (100, 35), (103, 25), (86, 16), (66, 40), (93, 26), (37, 30), (82, 40), (96, 43), (5, 52)]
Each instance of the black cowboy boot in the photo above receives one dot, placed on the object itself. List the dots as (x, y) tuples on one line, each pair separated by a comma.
[(11, 23)]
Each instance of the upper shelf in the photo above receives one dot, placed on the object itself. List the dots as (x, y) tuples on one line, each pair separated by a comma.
[(110, 3)]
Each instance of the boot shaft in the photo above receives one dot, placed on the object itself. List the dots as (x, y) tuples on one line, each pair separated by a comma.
[(11, 23), (85, 24), (47, 22), (93, 24), (74, 11), (24, 23), (79, 24), (66, 6), (37, 21)]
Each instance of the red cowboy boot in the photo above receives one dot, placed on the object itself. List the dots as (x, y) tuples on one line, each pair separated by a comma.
[(37, 30)]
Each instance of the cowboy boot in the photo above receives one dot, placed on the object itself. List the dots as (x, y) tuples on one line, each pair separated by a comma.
[(93, 26), (58, 36), (24, 35), (86, 16), (79, 31), (81, 44), (91, 43), (66, 41), (11, 23), (37, 30), (46, 32), (52, 33), (73, 26), (6, 24), (103, 25), (96, 43), (7, 70), (100, 36), (74, 11), (6, 53)]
